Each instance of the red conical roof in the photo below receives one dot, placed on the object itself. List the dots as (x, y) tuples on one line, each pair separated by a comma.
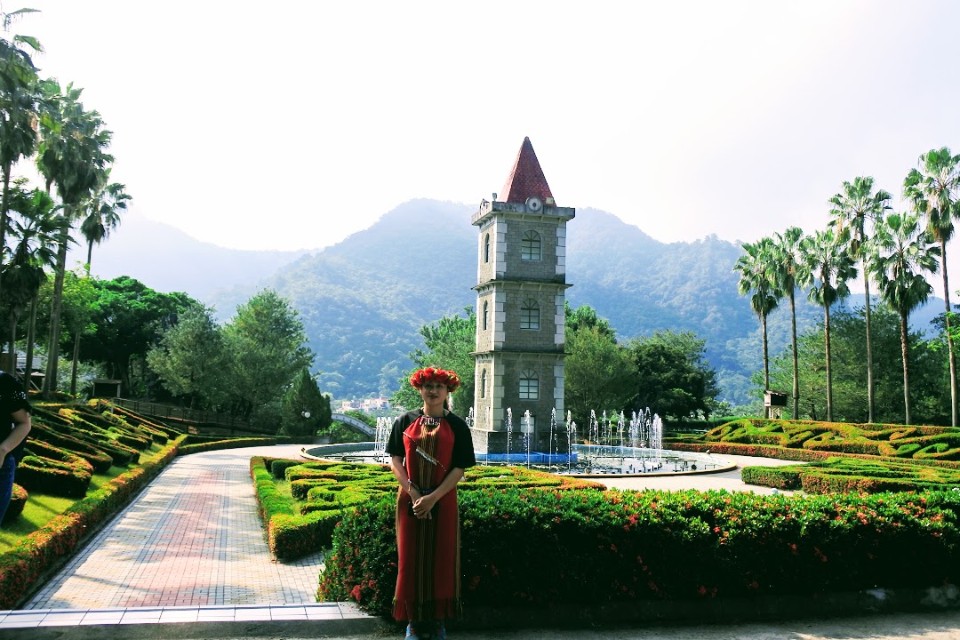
[(526, 179)]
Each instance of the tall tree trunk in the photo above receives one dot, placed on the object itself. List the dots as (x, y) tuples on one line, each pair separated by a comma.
[(946, 320), (905, 357), (866, 317), (766, 365), (56, 307), (796, 359), (12, 361), (826, 346), (73, 368), (4, 209), (31, 338)]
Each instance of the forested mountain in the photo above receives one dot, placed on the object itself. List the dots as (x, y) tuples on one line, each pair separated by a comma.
[(362, 301)]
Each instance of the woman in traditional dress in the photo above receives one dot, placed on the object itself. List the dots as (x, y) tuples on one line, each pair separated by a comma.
[(429, 449)]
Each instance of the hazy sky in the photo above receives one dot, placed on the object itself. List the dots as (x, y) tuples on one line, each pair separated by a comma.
[(286, 125)]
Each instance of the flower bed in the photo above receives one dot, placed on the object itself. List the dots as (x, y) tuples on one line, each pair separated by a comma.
[(541, 549)]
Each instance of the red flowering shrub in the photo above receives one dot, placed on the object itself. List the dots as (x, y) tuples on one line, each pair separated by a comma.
[(587, 548)]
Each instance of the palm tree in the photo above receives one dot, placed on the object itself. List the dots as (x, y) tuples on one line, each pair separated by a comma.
[(36, 231), (855, 211), (828, 267), (787, 272), (103, 213), (933, 189), (71, 156), (904, 254), (18, 109), (756, 268)]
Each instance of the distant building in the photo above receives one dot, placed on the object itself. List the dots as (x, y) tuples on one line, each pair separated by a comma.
[(349, 405), (521, 280), (375, 404), (369, 405)]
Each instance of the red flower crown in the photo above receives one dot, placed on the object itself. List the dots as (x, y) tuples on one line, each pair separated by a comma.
[(428, 374)]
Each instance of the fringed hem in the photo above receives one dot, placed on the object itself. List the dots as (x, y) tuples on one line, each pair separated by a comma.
[(447, 609)]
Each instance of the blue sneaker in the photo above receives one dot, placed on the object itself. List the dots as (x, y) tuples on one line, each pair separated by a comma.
[(411, 633)]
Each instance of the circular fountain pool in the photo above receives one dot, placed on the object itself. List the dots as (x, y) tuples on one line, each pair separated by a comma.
[(584, 460)]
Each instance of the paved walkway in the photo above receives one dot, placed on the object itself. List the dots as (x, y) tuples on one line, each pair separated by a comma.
[(189, 548), (190, 551), (192, 538)]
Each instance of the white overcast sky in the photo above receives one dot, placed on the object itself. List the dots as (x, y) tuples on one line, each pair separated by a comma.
[(292, 124)]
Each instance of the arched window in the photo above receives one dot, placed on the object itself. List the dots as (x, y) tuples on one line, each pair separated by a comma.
[(486, 248), (483, 383), (530, 314), (529, 385), (486, 313), (530, 246)]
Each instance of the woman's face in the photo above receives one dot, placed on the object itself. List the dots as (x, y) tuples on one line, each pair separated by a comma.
[(433, 393)]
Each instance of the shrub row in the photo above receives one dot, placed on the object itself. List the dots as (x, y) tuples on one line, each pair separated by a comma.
[(17, 502), (67, 445), (587, 548), (193, 446), (842, 474), (300, 517), (938, 443)]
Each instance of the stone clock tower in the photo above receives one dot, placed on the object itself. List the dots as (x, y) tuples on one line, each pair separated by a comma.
[(521, 280)]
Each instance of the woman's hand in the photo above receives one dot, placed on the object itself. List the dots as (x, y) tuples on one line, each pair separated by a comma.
[(423, 506)]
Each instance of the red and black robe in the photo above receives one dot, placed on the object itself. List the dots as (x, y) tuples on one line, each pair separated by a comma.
[(428, 550)]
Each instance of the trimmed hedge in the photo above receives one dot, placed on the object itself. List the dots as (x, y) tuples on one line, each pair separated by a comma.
[(587, 548), (100, 459), (939, 443), (45, 475), (17, 502), (844, 474), (219, 444), (300, 519)]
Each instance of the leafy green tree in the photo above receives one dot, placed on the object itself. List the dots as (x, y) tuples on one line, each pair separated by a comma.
[(828, 268), (855, 211), (787, 269), (673, 377), (934, 192), (130, 318), (267, 347), (448, 344), (928, 388), (190, 359), (756, 268), (305, 411), (584, 317), (78, 298), (904, 255), (71, 155), (598, 373)]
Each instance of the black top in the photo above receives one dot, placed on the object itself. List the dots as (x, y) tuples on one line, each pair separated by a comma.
[(463, 455), (12, 399)]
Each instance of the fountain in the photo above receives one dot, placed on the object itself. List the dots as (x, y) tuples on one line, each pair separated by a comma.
[(614, 446)]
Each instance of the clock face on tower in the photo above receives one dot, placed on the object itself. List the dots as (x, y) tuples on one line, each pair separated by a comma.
[(534, 204)]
